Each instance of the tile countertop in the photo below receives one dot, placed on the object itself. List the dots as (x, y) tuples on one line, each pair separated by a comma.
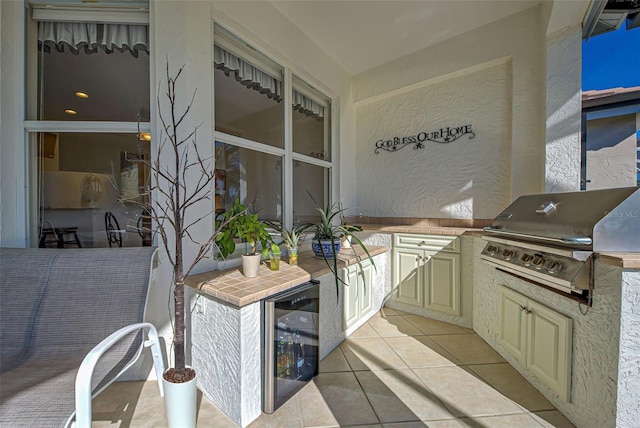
[(621, 260), (232, 287)]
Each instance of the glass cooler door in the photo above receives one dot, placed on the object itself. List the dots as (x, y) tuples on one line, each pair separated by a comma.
[(291, 343)]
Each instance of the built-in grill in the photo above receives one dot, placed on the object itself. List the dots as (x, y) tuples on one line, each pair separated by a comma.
[(551, 238)]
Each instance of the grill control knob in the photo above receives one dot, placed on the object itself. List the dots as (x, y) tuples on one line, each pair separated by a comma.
[(526, 259), (492, 250), (508, 254), (555, 267), (538, 262)]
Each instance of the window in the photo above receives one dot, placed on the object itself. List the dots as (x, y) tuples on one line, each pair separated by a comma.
[(89, 105), (273, 135)]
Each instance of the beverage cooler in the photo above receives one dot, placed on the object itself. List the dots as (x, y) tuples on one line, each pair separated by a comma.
[(290, 340)]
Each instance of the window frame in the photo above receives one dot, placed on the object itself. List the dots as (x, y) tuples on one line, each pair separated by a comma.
[(32, 125), (237, 46)]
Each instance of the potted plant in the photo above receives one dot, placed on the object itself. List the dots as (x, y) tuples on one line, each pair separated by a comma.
[(168, 202), (252, 231), (225, 241), (291, 238), (327, 233)]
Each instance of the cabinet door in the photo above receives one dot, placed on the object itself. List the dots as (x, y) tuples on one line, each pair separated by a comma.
[(549, 348), (408, 276), (351, 305), (442, 282), (513, 323), (365, 287)]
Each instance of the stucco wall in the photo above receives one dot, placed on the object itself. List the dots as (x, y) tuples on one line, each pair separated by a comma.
[(563, 108), (628, 385), (611, 152), (466, 178), (521, 38)]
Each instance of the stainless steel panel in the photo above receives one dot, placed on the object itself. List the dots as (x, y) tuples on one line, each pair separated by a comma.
[(552, 267), (608, 216), (269, 375)]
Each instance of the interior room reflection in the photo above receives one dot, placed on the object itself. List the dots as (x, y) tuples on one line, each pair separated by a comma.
[(91, 187)]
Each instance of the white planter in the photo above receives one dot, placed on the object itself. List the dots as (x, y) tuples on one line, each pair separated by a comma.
[(180, 401), (250, 265)]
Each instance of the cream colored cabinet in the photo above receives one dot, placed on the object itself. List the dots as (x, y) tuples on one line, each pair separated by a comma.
[(540, 338), (426, 271), (357, 292)]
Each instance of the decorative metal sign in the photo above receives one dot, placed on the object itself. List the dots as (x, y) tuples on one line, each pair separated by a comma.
[(443, 135)]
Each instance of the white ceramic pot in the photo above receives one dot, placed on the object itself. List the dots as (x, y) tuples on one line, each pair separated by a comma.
[(180, 401), (250, 265)]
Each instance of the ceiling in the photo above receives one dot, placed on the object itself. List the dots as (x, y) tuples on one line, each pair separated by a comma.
[(362, 34)]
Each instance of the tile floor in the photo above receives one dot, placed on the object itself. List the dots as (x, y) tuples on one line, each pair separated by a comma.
[(397, 370)]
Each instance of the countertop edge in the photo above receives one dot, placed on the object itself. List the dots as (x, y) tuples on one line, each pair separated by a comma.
[(315, 268), (621, 260)]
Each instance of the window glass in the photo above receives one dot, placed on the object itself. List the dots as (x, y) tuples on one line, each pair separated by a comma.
[(311, 113), (248, 100), (253, 177), (310, 183), (90, 187), (116, 85)]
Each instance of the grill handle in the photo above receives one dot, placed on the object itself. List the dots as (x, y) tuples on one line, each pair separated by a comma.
[(573, 240)]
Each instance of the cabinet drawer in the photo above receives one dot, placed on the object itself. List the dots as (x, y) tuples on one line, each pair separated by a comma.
[(427, 242)]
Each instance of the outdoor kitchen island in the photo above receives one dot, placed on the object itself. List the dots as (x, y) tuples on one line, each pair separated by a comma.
[(226, 323)]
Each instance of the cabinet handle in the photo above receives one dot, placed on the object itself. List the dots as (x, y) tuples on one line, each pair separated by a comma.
[(421, 243), (427, 258), (526, 311), (418, 258)]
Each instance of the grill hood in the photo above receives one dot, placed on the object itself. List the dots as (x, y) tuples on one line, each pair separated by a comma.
[(595, 220)]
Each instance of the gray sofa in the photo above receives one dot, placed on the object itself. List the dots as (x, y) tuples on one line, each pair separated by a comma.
[(59, 309)]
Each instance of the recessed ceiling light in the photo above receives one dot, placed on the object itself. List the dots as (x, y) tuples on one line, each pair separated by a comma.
[(82, 94), (69, 111)]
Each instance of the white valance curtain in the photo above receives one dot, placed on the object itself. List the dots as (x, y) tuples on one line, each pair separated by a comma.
[(246, 74), (306, 105), (88, 36), (254, 78)]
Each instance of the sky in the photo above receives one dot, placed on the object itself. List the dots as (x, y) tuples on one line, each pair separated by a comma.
[(611, 60)]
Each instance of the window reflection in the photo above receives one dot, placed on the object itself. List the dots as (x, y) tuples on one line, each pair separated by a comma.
[(253, 177), (310, 182)]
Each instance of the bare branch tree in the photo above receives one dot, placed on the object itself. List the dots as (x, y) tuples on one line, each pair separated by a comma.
[(172, 172)]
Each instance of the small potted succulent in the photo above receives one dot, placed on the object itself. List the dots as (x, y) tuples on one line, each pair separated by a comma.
[(292, 238)]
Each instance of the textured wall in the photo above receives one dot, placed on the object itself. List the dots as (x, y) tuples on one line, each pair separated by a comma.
[(519, 38), (628, 375), (611, 152), (226, 356), (564, 107), (466, 178), (596, 333)]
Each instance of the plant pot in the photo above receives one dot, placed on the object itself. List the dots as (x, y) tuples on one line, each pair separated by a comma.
[(180, 402), (324, 246), (250, 265)]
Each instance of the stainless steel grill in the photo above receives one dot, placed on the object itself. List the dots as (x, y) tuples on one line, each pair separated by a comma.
[(551, 238)]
